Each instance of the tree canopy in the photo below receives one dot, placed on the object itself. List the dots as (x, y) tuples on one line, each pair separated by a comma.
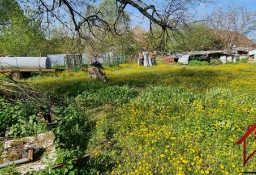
[(169, 15), (230, 22), (40, 27), (20, 36)]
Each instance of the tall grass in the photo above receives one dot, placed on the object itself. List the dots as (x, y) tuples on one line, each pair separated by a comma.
[(165, 119)]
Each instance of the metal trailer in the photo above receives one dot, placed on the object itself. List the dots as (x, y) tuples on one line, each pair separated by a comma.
[(19, 67), (16, 74)]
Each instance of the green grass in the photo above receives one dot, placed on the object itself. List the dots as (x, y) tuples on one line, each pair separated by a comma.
[(165, 119)]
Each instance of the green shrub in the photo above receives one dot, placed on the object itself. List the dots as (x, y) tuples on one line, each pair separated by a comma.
[(204, 63), (26, 126), (10, 114), (113, 64), (197, 63), (20, 118), (244, 60), (215, 62)]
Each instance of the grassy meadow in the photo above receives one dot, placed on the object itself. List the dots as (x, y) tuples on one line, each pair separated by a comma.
[(165, 119)]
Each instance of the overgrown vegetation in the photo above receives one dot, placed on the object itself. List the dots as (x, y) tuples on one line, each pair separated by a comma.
[(197, 63), (167, 119)]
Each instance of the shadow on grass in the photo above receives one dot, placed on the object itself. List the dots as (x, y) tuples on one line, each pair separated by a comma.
[(195, 80), (187, 77)]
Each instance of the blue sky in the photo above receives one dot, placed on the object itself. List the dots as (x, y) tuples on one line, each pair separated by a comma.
[(138, 19), (206, 8), (248, 4)]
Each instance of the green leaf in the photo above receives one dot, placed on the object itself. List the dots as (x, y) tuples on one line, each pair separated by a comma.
[(70, 166), (71, 173)]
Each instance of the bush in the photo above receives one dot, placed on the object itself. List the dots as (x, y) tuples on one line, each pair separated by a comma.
[(204, 63), (8, 114), (215, 62), (20, 118), (198, 63), (244, 60), (114, 64)]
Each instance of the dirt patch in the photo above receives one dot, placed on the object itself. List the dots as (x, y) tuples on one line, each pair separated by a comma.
[(14, 149)]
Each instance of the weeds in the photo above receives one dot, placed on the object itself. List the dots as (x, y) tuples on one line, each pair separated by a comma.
[(166, 119)]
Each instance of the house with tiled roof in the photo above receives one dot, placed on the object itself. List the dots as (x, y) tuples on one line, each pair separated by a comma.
[(234, 39)]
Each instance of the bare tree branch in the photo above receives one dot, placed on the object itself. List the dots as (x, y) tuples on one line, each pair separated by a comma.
[(168, 14), (231, 23)]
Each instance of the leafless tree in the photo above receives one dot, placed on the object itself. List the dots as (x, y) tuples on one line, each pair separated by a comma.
[(230, 22), (168, 14)]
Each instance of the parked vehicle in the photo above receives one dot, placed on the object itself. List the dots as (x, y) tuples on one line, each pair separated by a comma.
[(19, 67)]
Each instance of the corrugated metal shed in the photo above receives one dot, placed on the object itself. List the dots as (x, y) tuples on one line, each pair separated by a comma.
[(104, 58), (57, 59)]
